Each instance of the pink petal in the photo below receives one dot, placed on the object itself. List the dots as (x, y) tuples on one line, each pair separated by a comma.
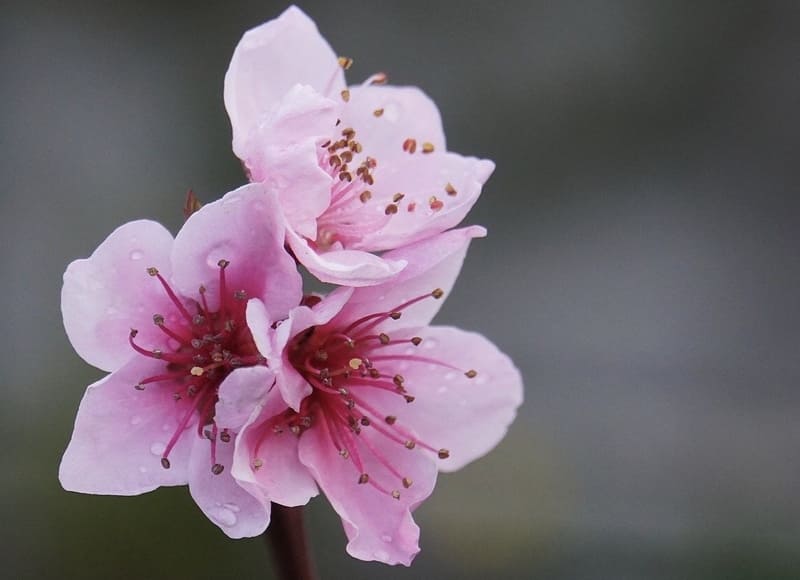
[(269, 60), (259, 324), (120, 434), (246, 228), (424, 179), (281, 477), (432, 263), (405, 113), (378, 526), (240, 393), (345, 267), (293, 387), (466, 416), (225, 502), (109, 293)]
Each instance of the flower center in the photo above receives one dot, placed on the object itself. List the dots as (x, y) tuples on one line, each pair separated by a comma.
[(345, 365), (204, 347)]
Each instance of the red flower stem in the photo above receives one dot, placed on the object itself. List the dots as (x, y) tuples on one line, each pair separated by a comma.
[(287, 539)]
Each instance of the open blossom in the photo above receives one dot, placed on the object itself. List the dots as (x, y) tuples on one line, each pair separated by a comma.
[(168, 318), (371, 401), (360, 169)]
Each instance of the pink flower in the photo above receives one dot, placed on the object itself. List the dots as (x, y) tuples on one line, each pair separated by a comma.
[(360, 170), (378, 401), (171, 320)]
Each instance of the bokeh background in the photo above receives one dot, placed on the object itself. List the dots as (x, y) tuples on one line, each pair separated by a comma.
[(642, 269)]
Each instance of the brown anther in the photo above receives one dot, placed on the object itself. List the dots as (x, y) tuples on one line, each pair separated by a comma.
[(345, 176), (334, 161), (355, 147), (363, 478), (438, 293), (409, 444), (410, 145), (435, 203), (217, 468), (209, 435), (165, 463), (350, 403), (202, 289), (176, 397), (345, 62), (344, 453), (398, 380), (471, 374), (139, 387), (158, 319), (390, 419), (365, 421), (443, 454), (345, 95), (412, 206), (348, 133), (379, 79), (384, 338), (416, 340), (258, 463), (407, 482), (377, 112), (347, 156), (368, 179), (365, 196), (295, 429), (450, 189), (223, 264), (427, 147), (326, 144), (225, 437), (390, 209), (397, 197), (395, 494), (152, 271), (375, 373), (409, 398), (191, 391), (395, 315)]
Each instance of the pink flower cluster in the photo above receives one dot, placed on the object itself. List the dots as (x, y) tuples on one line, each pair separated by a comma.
[(225, 376)]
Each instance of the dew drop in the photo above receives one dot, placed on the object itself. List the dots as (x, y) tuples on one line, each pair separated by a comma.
[(157, 449), (223, 516), (136, 255), (135, 420)]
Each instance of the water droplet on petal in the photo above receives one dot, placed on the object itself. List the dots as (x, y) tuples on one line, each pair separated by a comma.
[(135, 420), (223, 516), (136, 255), (232, 506), (157, 449)]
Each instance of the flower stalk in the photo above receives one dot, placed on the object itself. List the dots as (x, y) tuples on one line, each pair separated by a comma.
[(288, 543)]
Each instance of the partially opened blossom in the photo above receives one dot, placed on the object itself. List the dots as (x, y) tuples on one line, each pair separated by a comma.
[(168, 319), (360, 169), (371, 401)]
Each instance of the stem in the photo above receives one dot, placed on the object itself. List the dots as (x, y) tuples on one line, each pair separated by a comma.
[(287, 539)]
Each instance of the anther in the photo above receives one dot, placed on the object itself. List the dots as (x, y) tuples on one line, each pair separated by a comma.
[(412, 206), (395, 315), (395, 494), (398, 380), (443, 453), (407, 482), (427, 147), (390, 209), (165, 463), (345, 95), (397, 197), (471, 374), (345, 176), (197, 371), (410, 145), (240, 295), (225, 437), (365, 421), (152, 271), (438, 293), (134, 332), (384, 338), (343, 392), (198, 320), (344, 453), (377, 112), (223, 263), (435, 203), (139, 387), (345, 62), (416, 341), (217, 468), (365, 196), (450, 189), (390, 419), (355, 363), (363, 478), (409, 444), (158, 319), (257, 463), (409, 398), (378, 79), (158, 353)]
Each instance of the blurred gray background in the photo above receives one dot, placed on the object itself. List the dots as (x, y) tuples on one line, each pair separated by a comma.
[(641, 268)]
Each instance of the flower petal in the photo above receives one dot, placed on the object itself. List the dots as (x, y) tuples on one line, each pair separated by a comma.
[(345, 267), (246, 228), (385, 116), (225, 502), (107, 294), (378, 526), (432, 263), (272, 58), (240, 393), (426, 181), (467, 416), (279, 477), (120, 434)]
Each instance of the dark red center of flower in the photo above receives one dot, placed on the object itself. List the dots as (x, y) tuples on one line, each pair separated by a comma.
[(343, 365), (205, 346)]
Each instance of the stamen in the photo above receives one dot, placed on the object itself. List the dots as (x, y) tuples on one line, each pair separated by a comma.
[(450, 189), (345, 62)]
